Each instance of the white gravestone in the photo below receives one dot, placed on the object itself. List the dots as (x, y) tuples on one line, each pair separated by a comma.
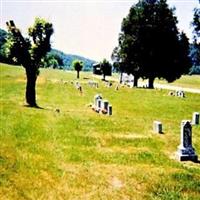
[(185, 150), (195, 118), (96, 97), (157, 127)]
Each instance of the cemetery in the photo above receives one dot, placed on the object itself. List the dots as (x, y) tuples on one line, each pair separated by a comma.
[(100, 100), (112, 148)]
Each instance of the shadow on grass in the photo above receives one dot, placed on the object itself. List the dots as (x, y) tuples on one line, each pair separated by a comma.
[(35, 106), (197, 162)]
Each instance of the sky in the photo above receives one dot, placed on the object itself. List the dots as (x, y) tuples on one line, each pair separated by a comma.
[(85, 27)]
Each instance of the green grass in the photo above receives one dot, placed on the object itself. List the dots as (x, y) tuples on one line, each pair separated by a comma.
[(189, 81), (79, 154)]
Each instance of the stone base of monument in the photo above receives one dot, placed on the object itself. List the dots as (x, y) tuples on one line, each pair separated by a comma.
[(186, 154)]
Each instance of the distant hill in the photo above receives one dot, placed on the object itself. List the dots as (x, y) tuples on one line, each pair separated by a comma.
[(64, 60), (68, 59)]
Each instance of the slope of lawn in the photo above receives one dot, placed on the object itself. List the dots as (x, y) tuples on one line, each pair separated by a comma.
[(67, 151), (189, 81)]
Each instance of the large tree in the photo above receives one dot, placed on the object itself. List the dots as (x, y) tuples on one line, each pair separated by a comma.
[(106, 68), (77, 65), (195, 47), (150, 45), (30, 51)]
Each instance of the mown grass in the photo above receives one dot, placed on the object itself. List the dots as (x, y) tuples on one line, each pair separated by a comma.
[(188, 81), (79, 154)]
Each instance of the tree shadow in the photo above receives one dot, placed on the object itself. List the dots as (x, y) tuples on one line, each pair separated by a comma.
[(35, 106), (197, 161)]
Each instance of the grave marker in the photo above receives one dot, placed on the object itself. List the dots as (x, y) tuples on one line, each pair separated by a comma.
[(157, 127), (105, 105), (195, 118), (109, 110), (185, 150), (96, 97)]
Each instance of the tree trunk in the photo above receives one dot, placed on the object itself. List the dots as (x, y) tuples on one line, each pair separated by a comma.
[(30, 87), (77, 74), (120, 80), (151, 80), (104, 77), (135, 81)]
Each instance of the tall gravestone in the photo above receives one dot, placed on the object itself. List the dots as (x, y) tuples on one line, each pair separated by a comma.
[(185, 150)]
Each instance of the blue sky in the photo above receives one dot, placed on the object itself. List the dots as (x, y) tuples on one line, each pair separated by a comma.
[(85, 27)]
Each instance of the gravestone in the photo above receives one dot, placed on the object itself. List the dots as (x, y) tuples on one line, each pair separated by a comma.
[(195, 118), (105, 105), (185, 150), (180, 93), (99, 103), (109, 110), (96, 97), (157, 127)]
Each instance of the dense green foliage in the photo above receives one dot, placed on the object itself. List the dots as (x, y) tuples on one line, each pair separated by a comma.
[(150, 45), (79, 154), (67, 60), (196, 22), (195, 47), (3, 35), (29, 52), (77, 65), (106, 68)]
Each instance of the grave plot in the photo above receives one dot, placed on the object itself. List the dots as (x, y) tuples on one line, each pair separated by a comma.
[(101, 105), (94, 84)]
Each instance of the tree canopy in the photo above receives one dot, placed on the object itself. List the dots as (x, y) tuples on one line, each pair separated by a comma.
[(150, 45), (77, 65), (195, 47), (106, 68)]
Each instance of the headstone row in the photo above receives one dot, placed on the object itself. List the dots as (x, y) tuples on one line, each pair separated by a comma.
[(178, 93), (157, 125), (92, 83), (108, 84), (102, 106)]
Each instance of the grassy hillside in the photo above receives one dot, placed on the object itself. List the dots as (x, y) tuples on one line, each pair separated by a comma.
[(186, 81), (79, 154)]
